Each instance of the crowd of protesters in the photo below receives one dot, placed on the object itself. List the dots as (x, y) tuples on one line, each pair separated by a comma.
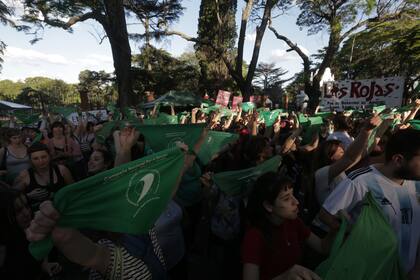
[(282, 227)]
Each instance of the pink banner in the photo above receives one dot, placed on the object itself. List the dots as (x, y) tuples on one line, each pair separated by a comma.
[(236, 100), (223, 97), (255, 99)]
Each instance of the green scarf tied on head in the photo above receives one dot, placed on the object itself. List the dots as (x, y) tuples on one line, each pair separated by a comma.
[(125, 199)]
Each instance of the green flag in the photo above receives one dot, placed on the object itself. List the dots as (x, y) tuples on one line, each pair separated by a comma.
[(379, 109), (129, 114), (238, 182), (369, 252), (214, 142), (126, 199), (324, 114), (415, 124), (26, 118), (404, 108), (64, 111), (37, 138), (105, 131), (162, 119), (160, 137), (302, 119), (247, 106), (312, 125), (116, 114), (271, 116), (210, 109)]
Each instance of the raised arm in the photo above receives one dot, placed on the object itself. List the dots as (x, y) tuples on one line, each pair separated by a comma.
[(355, 151)]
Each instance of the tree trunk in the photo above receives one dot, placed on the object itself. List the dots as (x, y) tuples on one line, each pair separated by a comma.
[(84, 100), (116, 30), (333, 44)]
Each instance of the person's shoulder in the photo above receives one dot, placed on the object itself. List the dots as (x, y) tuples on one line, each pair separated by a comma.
[(360, 173)]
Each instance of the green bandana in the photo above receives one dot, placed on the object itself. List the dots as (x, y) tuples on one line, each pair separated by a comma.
[(369, 252), (247, 106), (63, 111), (238, 182), (162, 119), (160, 137), (126, 199), (214, 142), (415, 124)]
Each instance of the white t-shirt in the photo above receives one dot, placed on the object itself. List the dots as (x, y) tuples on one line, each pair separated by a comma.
[(322, 188), (343, 137), (350, 192)]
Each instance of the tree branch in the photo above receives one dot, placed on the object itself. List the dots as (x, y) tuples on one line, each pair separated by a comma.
[(246, 12), (73, 20), (180, 34)]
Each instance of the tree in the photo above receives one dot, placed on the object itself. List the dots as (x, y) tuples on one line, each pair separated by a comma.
[(168, 73), (338, 17), (397, 42), (216, 26), (268, 76), (154, 15), (109, 14), (9, 90), (262, 13), (5, 14), (96, 89)]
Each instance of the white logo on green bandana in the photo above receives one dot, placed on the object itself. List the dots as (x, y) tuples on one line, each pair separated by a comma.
[(142, 188)]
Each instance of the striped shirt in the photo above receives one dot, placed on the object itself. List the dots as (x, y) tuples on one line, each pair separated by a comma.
[(123, 266)]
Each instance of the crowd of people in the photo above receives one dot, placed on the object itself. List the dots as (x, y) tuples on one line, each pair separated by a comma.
[(281, 226)]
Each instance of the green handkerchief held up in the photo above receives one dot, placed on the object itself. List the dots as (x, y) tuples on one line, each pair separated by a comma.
[(369, 252), (237, 182), (214, 142), (415, 124), (125, 199), (161, 137)]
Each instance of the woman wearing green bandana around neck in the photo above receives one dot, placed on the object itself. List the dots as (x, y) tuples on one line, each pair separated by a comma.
[(127, 257)]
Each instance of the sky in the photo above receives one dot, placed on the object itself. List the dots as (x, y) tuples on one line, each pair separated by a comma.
[(62, 55)]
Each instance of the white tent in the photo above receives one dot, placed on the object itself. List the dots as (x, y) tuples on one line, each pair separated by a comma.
[(7, 105)]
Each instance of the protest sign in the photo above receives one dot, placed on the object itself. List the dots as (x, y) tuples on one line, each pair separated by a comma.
[(223, 97), (362, 93), (127, 199), (236, 101)]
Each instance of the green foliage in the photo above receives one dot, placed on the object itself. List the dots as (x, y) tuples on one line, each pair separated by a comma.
[(318, 15), (155, 16), (167, 73), (268, 76), (222, 35), (98, 87), (397, 43), (9, 90), (5, 13), (37, 90)]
